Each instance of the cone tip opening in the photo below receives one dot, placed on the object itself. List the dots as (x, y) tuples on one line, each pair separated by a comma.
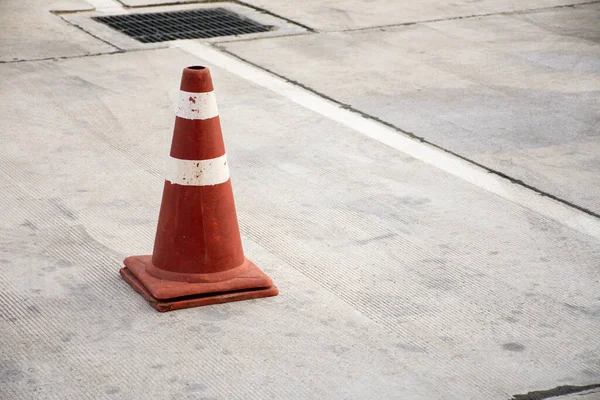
[(196, 78)]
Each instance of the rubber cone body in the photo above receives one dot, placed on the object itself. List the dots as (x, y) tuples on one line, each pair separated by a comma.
[(198, 257)]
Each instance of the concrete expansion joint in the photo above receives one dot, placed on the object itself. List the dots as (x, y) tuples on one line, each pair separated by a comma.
[(61, 58), (110, 53), (237, 40), (265, 11)]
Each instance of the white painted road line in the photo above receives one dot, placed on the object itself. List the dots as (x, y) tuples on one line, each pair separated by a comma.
[(446, 162), (198, 172), (197, 105)]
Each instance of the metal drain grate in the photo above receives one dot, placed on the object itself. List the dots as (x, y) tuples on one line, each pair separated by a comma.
[(192, 24)]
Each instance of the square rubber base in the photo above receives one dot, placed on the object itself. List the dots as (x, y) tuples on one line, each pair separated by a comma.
[(165, 295)]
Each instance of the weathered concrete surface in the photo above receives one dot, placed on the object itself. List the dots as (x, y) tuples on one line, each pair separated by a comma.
[(30, 31), (356, 14), (519, 94), (397, 280)]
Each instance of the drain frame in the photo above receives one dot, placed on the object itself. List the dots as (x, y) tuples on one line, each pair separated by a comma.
[(84, 20), (198, 23)]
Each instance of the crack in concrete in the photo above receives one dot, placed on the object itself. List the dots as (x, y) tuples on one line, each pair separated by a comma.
[(59, 58), (557, 391)]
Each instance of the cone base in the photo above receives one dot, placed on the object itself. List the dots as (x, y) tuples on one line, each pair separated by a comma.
[(165, 295)]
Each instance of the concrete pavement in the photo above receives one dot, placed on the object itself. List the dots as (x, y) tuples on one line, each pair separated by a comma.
[(31, 31), (398, 279), (516, 93)]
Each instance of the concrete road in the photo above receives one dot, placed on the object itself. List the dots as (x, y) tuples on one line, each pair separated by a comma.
[(462, 265), (518, 93)]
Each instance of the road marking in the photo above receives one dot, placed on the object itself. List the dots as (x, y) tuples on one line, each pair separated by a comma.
[(198, 172), (440, 159), (197, 105)]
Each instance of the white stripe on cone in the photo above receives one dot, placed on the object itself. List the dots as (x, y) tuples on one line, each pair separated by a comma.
[(197, 105), (198, 172)]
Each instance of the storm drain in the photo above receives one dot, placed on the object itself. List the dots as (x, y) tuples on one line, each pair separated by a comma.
[(191, 24)]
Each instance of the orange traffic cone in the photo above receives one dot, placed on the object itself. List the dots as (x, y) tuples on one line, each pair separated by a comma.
[(198, 257)]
